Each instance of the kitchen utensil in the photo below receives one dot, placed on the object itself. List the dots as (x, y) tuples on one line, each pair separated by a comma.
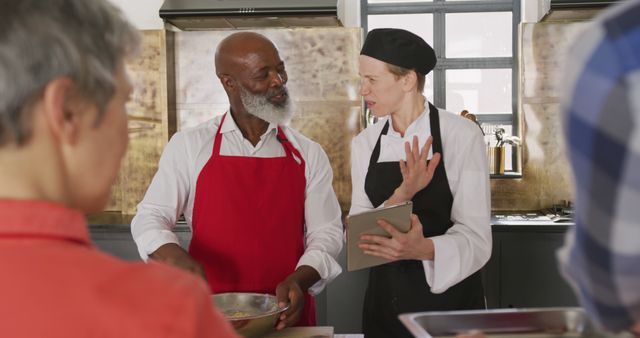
[(539, 323), (252, 315), (497, 160), (499, 136)]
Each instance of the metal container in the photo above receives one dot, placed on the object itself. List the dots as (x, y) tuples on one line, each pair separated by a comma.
[(521, 323), (252, 315), (497, 160)]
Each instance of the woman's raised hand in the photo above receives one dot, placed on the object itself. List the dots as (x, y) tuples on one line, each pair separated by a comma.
[(416, 172)]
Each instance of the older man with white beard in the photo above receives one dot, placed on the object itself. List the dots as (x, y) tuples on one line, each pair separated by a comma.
[(256, 193)]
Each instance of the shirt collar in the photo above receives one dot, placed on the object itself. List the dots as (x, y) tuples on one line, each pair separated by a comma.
[(229, 125), (42, 219), (422, 123)]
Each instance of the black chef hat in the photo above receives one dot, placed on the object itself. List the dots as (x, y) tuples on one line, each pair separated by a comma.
[(401, 48)]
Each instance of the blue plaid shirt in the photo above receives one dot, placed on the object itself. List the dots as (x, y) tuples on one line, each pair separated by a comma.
[(601, 256)]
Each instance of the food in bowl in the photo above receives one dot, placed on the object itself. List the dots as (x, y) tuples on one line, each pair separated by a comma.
[(252, 315), (234, 314)]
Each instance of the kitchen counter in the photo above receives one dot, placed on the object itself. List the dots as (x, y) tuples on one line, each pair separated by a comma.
[(311, 332), (530, 222), (543, 217), (303, 332), (122, 224)]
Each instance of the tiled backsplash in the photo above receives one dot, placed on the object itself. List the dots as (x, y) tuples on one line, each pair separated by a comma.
[(546, 177), (147, 123), (323, 83), (322, 66)]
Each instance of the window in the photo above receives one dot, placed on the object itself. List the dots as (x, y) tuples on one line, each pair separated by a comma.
[(476, 45)]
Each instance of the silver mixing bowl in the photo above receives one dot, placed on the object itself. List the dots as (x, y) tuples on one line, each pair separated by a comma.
[(252, 315)]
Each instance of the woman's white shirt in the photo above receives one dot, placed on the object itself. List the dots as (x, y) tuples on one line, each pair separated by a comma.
[(466, 246)]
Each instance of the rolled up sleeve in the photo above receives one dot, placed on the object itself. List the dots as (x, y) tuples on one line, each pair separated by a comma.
[(323, 224)]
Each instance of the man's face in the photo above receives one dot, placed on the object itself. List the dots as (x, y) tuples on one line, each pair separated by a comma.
[(262, 84), (273, 106)]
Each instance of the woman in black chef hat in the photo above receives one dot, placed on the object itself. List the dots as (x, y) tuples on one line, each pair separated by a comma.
[(417, 152)]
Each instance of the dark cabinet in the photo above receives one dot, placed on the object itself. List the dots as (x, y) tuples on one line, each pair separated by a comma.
[(117, 240), (523, 270)]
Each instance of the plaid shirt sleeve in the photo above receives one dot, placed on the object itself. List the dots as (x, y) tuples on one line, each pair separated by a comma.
[(601, 256)]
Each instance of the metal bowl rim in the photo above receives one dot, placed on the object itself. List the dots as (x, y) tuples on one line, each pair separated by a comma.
[(266, 314)]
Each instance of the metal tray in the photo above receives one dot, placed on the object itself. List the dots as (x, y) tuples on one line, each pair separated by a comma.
[(521, 323)]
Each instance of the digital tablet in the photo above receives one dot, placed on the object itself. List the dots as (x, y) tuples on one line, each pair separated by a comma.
[(366, 223)]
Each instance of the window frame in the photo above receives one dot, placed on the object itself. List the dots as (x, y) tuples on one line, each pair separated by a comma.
[(439, 9)]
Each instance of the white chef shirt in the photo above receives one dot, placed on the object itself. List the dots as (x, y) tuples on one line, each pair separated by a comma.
[(172, 191), (466, 246)]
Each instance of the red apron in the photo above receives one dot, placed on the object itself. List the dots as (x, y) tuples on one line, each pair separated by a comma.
[(248, 221)]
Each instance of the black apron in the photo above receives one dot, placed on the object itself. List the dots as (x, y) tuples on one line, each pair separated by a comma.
[(401, 286)]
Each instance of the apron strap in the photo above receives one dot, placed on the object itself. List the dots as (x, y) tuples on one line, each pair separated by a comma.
[(289, 148), (218, 138), (434, 119), (376, 150)]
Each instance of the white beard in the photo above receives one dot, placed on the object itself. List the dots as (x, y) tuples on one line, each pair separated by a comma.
[(261, 107)]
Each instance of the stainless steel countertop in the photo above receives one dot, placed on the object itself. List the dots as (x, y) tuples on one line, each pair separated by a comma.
[(530, 218)]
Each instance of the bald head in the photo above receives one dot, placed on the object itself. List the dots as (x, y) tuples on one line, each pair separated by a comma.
[(238, 50), (254, 77)]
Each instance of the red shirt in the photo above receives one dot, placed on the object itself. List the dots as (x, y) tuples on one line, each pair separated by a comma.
[(54, 283)]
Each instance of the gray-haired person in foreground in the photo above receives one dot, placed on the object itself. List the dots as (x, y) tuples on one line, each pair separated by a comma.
[(63, 133)]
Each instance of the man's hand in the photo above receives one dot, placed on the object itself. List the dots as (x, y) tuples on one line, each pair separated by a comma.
[(412, 245), (291, 291), (173, 254)]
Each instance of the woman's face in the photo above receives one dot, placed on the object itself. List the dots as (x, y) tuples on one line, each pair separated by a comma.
[(380, 89), (97, 155)]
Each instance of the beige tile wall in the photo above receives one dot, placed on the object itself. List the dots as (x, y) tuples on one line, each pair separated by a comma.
[(147, 123), (546, 177), (322, 67)]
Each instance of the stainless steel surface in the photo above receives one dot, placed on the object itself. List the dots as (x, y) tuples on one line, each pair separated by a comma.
[(548, 322), (580, 4), (304, 332), (251, 314), (542, 217), (239, 14)]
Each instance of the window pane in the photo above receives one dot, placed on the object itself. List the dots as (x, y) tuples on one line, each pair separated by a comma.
[(480, 91), (478, 34), (392, 1), (420, 24)]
